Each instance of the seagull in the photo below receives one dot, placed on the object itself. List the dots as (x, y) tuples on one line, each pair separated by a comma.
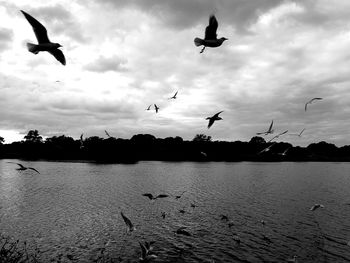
[(311, 101), (23, 168), (179, 196), (146, 256), (316, 206), (210, 38), (213, 119), (299, 134), (109, 136), (128, 223), (269, 131), (267, 148), (203, 154), (151, 197), (44, 44), (156, 108), (149, 107), (173, 97), (278, 135), (285, 152), (182, 231)]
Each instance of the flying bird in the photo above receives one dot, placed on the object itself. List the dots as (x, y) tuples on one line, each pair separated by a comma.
[(278, 135), (224, 217), (130, 226), (156, 108), (151, 197), (298, 134), (23, 168), (285, 151), (146, 256), (109, 136), (149, 107), (311, 101), (269, 131), (44, 44), (267, 148), (210, 38), (174, 96), (81, 141), (316, 206), (214, 118)]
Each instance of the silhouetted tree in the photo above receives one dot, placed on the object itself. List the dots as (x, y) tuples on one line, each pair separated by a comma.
[(33, 136), (2, 140), (257, 140), (201, 138)]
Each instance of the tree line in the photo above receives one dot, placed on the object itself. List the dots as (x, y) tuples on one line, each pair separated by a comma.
[(142, 147)]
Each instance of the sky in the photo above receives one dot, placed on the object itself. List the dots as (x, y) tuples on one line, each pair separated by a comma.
[(123, 56)]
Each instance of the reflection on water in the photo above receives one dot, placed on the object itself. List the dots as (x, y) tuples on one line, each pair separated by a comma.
[(74, 209)]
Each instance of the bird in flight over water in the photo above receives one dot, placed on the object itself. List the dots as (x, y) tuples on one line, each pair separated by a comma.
[(210, 38), (44, 44), (311, 101), (214, 118), (151, 197), (174, 96), (156, 108), (23, 168), (269, 131), (299, 134), (128, 223), (278, 135)]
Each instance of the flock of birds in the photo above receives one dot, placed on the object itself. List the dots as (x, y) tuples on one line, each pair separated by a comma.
[(210, 40)]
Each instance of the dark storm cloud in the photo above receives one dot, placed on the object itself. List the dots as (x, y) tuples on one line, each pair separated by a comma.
[(6, 36), (183, 14), (103, 64), (58, 20)]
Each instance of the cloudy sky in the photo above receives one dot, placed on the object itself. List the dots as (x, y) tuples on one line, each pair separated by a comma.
[(125, 55)]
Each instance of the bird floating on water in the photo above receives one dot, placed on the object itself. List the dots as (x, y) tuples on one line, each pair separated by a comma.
[(23, 168), (130, 226), (174, 96), (182, 231), (156, 108), (179, 196), (316, 206), (151, 197), (214, 118), (44, 44), (210, 38), (269, 131), (311, 101)]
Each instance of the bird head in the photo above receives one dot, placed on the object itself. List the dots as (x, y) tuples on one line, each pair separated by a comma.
[(58, 45)]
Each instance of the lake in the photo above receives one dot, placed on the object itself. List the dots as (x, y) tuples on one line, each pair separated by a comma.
[(72, 210)]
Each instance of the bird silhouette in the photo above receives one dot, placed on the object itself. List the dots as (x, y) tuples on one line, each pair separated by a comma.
[(311, 101), (151, 197), (269, 131), (214, 118), (156, 108), (316, 206), (182, 231), (130, 226), (298, 134), (210, 38), (278, 135), (23, 168), (44, 44), (224, 217), (174, 96), (267, 148)]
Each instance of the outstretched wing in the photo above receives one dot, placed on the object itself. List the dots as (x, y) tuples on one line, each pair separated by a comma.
[(39, 30), (175, 94), (127, 221), (211, 122), (106, 132), (58, 54), (150, 196), (210, 30), (143, 251), (162, 196), (17, 164), (306, 105), (301, 132), (31, 168), (270, 128), (217, 114), (316, 99)]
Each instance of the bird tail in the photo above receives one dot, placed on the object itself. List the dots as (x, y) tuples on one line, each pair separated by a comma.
[(32, 48), (198, 41)]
